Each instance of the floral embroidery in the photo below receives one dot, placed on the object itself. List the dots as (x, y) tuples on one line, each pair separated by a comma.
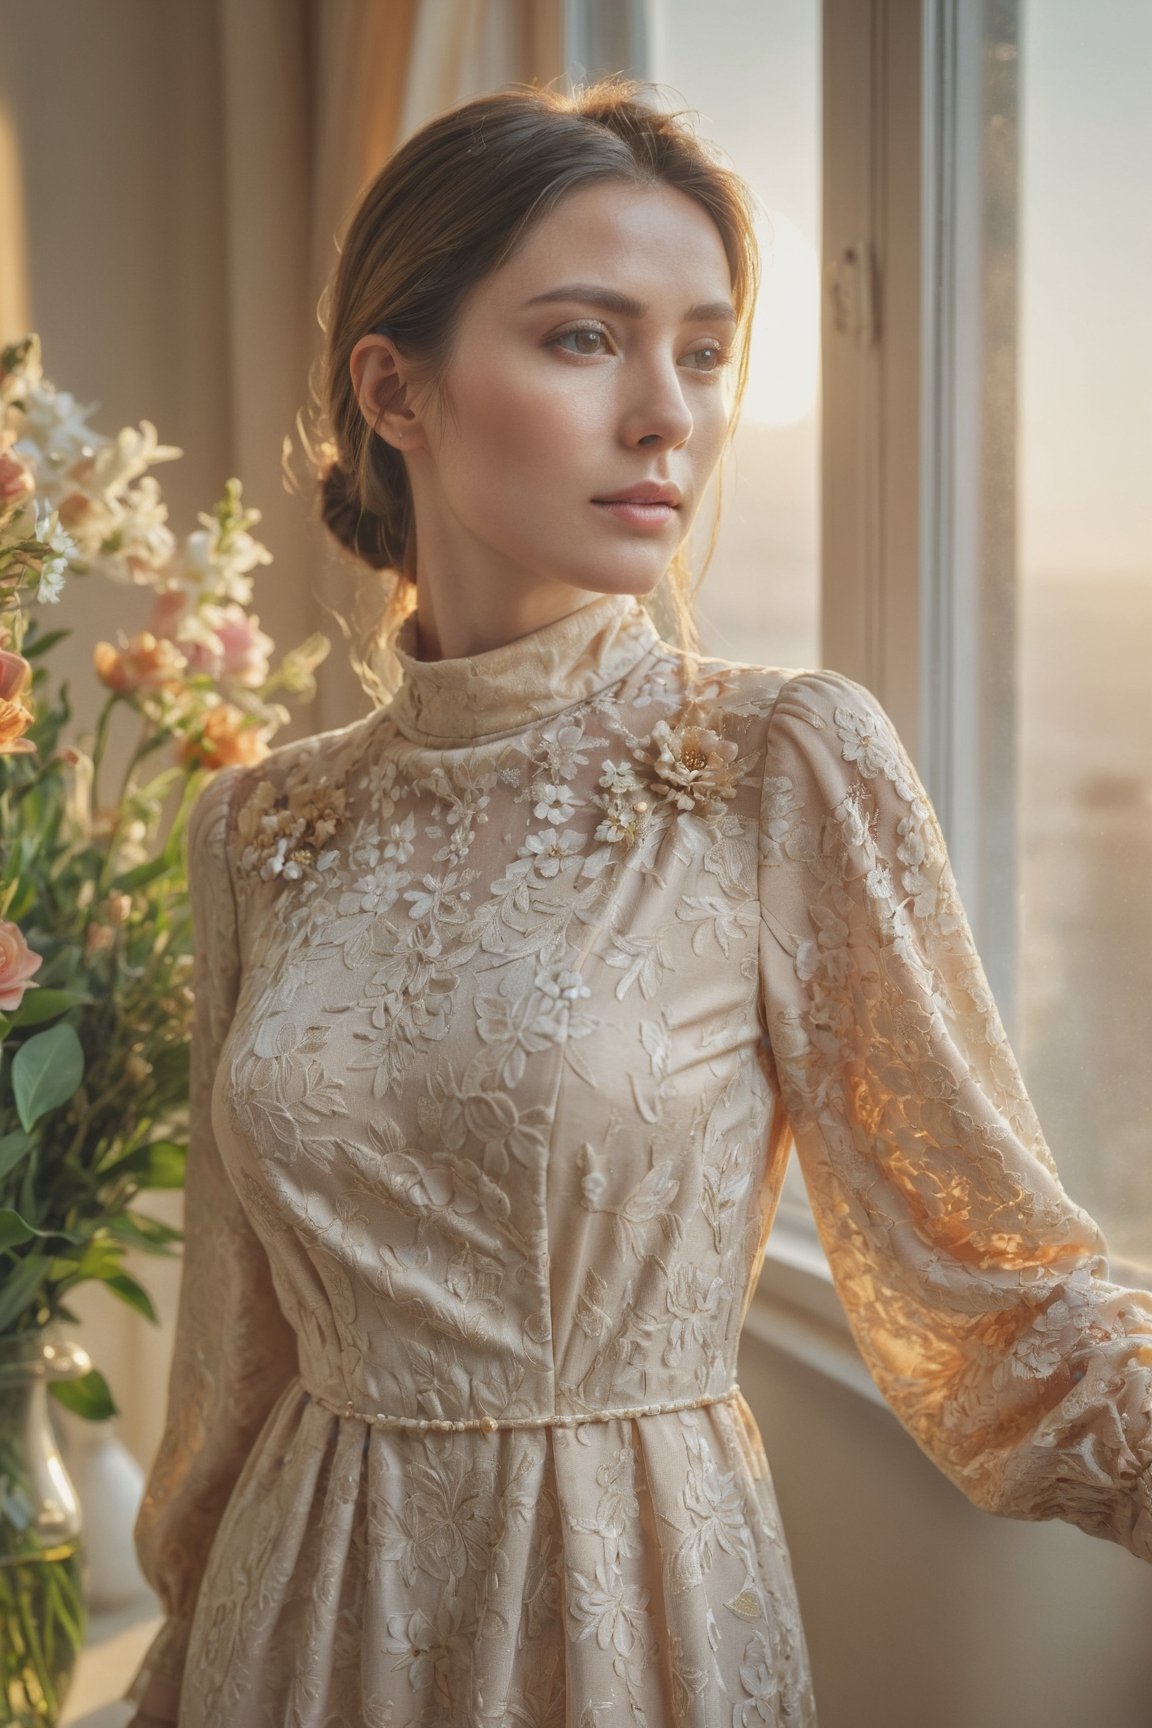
[(691, 766), (553, 803), (284, 833), (624, 805)]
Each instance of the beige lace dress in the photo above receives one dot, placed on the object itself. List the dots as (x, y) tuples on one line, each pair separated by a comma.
[(511, 998)]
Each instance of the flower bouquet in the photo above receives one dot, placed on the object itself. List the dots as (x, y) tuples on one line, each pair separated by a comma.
[(95, 933)]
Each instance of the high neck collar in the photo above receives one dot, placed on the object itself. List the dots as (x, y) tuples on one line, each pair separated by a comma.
[(508, 688)]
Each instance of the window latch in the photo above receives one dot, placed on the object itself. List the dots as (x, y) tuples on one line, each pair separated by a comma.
[(853, 284)]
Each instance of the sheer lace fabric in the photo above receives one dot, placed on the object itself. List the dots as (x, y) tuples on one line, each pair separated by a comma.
[(512, 997)]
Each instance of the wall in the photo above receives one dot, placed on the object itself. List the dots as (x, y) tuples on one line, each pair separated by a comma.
[(922, 1611), (119, 214)]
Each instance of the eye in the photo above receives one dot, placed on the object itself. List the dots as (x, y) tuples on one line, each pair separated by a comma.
[(719, 354), (590, 330)]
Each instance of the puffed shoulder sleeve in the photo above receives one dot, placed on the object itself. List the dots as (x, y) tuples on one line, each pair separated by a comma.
[(977, 1291), (233, 1350)]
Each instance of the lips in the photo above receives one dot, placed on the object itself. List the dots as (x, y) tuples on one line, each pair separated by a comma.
[(651, 492)]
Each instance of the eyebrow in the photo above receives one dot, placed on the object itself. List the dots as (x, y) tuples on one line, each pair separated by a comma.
[(611, 301)]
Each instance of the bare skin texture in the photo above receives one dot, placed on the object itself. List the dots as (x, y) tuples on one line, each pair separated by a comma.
[(546, 407)]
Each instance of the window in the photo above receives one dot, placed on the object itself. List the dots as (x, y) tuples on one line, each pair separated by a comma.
[(1082, 687), (940, 486)]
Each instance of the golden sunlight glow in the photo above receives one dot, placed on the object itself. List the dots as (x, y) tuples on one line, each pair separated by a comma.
[(784, 372)]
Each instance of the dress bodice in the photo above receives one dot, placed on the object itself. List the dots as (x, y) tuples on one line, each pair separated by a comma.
[(495, 1069)]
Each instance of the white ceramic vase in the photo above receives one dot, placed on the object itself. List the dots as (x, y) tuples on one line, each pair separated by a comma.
[(109, 1484)]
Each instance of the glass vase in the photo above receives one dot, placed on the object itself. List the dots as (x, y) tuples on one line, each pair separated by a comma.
[(43, 1617)]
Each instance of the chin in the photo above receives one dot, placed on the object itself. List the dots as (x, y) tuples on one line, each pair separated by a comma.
[(623, 582)]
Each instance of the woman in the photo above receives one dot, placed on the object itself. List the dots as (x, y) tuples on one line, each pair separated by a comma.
[(515, 993)]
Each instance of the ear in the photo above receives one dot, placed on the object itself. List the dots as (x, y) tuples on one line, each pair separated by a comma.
[(383, 378)]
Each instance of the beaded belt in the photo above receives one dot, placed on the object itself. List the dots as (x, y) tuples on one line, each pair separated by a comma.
[(487, 1424)]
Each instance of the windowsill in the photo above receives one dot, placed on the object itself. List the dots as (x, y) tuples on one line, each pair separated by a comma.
[(114, 1648)]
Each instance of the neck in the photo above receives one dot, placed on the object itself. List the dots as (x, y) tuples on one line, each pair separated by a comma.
[(473, 620), (470, 598), (522, 681)]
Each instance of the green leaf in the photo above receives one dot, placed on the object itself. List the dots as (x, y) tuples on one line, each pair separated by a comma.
[(100, 1260), (164, 1167), (13, 1228), (62, 1268), (88, 1397), (160, 1165), (41, 1005), (18, 1288), (141, 875), (45, 1072), (139, 1231), (12, 1148), (34, 646), (122, 1284)]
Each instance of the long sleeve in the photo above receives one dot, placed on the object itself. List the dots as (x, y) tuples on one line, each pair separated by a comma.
[(977, 1291), (233, 1350)]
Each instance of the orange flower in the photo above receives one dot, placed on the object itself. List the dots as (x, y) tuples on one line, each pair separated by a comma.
[(16, 482), (146, 662), (15, 717), (222, 738), (17, 964)]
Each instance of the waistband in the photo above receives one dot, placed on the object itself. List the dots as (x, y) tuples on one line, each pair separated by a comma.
[(489, 1424)]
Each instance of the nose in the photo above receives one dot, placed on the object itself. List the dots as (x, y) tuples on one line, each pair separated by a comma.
[(657, 412)]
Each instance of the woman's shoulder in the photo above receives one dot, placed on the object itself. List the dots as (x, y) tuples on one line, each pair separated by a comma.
[(320, 757), (819, 698), (302, 773)]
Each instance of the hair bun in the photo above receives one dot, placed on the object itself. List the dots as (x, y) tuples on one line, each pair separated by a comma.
[(343, 513)]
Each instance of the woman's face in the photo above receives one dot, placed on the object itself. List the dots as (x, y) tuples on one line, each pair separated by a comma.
[(592, 362)]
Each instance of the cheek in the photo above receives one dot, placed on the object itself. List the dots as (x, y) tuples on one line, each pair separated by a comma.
[(511, 422), (711, 412)]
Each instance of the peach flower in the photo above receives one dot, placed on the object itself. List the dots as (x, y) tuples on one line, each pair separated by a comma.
[(146, 662), (16, 480), (15, 717), (222, 739), (17, 964)]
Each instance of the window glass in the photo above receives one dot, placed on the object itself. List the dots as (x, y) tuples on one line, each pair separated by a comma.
[(1084, 617), (751, 70)]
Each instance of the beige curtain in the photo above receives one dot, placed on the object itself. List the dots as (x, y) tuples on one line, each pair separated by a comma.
[(173, 183)]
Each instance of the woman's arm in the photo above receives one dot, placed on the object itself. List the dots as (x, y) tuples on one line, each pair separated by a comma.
[(977, 1290), (234, 1351)]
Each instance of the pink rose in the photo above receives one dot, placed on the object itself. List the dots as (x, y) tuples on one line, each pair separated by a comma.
[(168, 614), (246, 647), (17, 964)]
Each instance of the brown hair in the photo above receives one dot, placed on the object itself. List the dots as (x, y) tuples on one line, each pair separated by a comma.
[(449, 208)]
